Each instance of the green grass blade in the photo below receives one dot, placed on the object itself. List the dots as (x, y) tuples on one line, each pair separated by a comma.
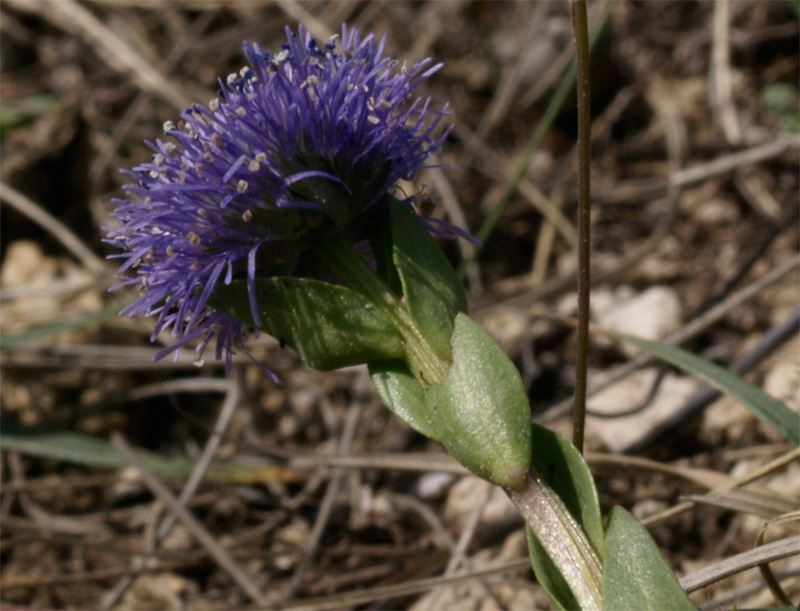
[(543, 127), (95, 318), (766, 408), (79, 449)]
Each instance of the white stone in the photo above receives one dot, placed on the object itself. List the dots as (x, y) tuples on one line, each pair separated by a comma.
[(618, 433), (651, 314), (467, 494)]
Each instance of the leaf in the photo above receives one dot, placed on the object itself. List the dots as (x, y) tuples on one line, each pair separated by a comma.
[(565, 470), (329, 326), (84, 322), (548, 575), (431, 289), (635, 574), (82, 449), (481, 409), (768, 409), (403, 394)]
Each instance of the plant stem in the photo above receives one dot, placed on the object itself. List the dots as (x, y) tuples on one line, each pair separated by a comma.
[(356, 274), (562, 538), (579, 24)]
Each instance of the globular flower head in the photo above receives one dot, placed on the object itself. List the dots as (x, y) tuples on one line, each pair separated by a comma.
[(308, 140)]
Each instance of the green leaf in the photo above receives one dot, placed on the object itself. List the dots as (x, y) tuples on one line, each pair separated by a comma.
[(548, 575), (481, 409), (768, 409), (80, 449), (635, 574), (432, 291), (329, 326), (77, 324), (403, 394), (565, 470)]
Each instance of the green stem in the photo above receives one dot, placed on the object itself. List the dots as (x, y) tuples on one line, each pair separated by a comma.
[(579, 24), (355, 273), (562, 538)]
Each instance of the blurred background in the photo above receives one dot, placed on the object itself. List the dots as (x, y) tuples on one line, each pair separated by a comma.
[(317, 494)]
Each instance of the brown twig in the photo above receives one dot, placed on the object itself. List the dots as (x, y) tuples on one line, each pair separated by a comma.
[(192, 524)]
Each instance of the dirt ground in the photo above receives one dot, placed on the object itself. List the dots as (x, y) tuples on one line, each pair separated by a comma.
[(319, 496)]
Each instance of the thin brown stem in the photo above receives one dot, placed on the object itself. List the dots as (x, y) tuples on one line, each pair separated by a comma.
[(579, 23)]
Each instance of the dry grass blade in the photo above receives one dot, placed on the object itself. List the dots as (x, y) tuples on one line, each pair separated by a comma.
[(193, 525), (769, 577), (331, 493), (73, 17), (56, 228), (764, 554), (348, 599), (233, 393), (744, 501), (755, 474)]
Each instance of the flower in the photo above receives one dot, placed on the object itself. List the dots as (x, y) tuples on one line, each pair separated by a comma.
[(309, 140)]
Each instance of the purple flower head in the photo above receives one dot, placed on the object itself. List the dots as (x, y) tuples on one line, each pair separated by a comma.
[(308, 140)]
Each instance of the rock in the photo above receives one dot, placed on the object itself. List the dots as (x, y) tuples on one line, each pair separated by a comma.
[(433, 485), (618, 433), (471, 595), (651, 314), (783, 382), (467, 494)]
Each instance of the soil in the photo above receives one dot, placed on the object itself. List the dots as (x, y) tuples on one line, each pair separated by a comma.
[(321, 497)]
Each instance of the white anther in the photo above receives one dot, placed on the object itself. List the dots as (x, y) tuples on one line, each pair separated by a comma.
[(241, 186)]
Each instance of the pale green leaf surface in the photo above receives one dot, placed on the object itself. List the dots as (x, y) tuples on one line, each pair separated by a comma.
[(635, 575), (431, 289), (403, 395), (565, 470), (481, 409)]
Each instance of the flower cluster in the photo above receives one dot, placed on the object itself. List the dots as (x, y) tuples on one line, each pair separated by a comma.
[(305, 141)]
